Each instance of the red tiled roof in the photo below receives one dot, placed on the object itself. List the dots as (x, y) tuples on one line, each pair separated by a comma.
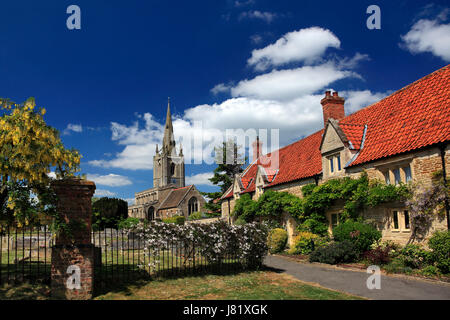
[(354, 134), (304, 154), (413, 117)]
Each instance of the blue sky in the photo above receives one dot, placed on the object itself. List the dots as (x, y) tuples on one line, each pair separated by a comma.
[(230, 64)]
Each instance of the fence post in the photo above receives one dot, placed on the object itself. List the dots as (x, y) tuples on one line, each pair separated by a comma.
[(75, 251)]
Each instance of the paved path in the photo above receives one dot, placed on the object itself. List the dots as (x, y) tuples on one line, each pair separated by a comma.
[(354, 282)]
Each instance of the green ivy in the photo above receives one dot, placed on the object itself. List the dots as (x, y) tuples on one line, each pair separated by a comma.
[(356, 194)]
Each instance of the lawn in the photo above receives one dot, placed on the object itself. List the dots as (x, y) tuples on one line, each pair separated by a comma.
[(256, 285)]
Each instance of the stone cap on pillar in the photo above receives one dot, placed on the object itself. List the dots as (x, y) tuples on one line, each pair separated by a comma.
[(74, 184)]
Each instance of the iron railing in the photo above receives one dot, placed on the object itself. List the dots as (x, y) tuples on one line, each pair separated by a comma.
[(25, 254)]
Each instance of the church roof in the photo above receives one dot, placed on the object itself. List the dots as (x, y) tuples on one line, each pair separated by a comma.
[(174, 197)]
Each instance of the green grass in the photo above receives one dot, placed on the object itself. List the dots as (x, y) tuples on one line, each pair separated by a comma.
[(256, 285)]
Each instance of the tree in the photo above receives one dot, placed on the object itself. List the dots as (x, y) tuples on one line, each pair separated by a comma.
[(29, 149), (108, 212), (229, 163)]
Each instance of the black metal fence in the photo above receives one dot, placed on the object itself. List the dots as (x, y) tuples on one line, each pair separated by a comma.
[(124, 258), (25, 254)]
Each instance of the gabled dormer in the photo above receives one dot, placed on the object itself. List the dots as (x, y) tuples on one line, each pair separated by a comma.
[(341, 141)]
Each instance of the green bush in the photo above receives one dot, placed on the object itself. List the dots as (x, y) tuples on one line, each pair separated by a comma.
[(277, 240), (240, 221), (336, 252), (415, 256), (430, 271), (175, 219), (195, 216), (397, 266), (306, 242), (439, 243), (362, 235), (128, 223)]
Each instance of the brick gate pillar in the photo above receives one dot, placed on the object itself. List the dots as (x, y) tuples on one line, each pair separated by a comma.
[(74, 207)]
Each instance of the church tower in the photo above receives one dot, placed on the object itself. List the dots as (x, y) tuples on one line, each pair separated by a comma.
[(168, 167)]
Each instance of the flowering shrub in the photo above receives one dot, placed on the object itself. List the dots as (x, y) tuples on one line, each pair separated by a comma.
[(213, 241), (381, 254), (362, 235), (424, 203)]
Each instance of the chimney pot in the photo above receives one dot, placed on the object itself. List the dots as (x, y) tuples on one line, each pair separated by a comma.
[(257, 148), (332, 107)]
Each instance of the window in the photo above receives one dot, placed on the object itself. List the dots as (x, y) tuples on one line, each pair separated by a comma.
[(172, 169), (331, 165), (406, 215), (339, 162), (334, 220), (192, 205), (387, 178), (395, 220), (397, 178), (151, 213), (407, 171)]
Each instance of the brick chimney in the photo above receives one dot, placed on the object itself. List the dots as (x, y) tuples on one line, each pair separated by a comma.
[(332, 106), (257, 147)]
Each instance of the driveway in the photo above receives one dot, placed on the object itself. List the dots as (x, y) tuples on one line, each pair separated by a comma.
[(354, 282)]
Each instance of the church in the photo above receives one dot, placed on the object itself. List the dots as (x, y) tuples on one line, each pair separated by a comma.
[(169, 195)]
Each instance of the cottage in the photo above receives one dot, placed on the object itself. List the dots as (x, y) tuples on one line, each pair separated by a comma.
[(402, 137)]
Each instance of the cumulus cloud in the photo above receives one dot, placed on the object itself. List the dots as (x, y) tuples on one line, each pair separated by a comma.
[(291, 83), (287, 100), (78, 128), (265, 16), (220, 88), (304, 45), (429, 36), (355, 100), (104, 193), (111, 180), (200, 179)]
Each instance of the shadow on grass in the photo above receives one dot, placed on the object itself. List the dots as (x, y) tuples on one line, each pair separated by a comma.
[(113, 281)]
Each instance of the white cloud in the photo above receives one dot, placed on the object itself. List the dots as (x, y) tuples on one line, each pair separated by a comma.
[(111, 180), (200, 179), (243, 3), (256, 38), (291, 83), (288, 100), (52, 175), (265, 16), (429, 36), (219, 88), (130, 201), (103, 193), (307, 45), (351, 63), (78, 128), (355, 100)]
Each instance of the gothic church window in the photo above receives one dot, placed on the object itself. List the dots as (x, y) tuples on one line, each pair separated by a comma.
[(192, 205)]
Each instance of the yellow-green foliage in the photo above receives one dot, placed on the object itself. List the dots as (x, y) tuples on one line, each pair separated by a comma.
[(277, 240), (303, 243)]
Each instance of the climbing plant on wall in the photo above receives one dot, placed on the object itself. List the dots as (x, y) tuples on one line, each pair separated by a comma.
[(356, 194)]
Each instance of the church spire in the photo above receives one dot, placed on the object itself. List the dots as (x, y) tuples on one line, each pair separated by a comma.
[(168, 140)]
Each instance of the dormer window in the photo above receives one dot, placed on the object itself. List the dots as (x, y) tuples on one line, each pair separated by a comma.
[(335, 163)]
